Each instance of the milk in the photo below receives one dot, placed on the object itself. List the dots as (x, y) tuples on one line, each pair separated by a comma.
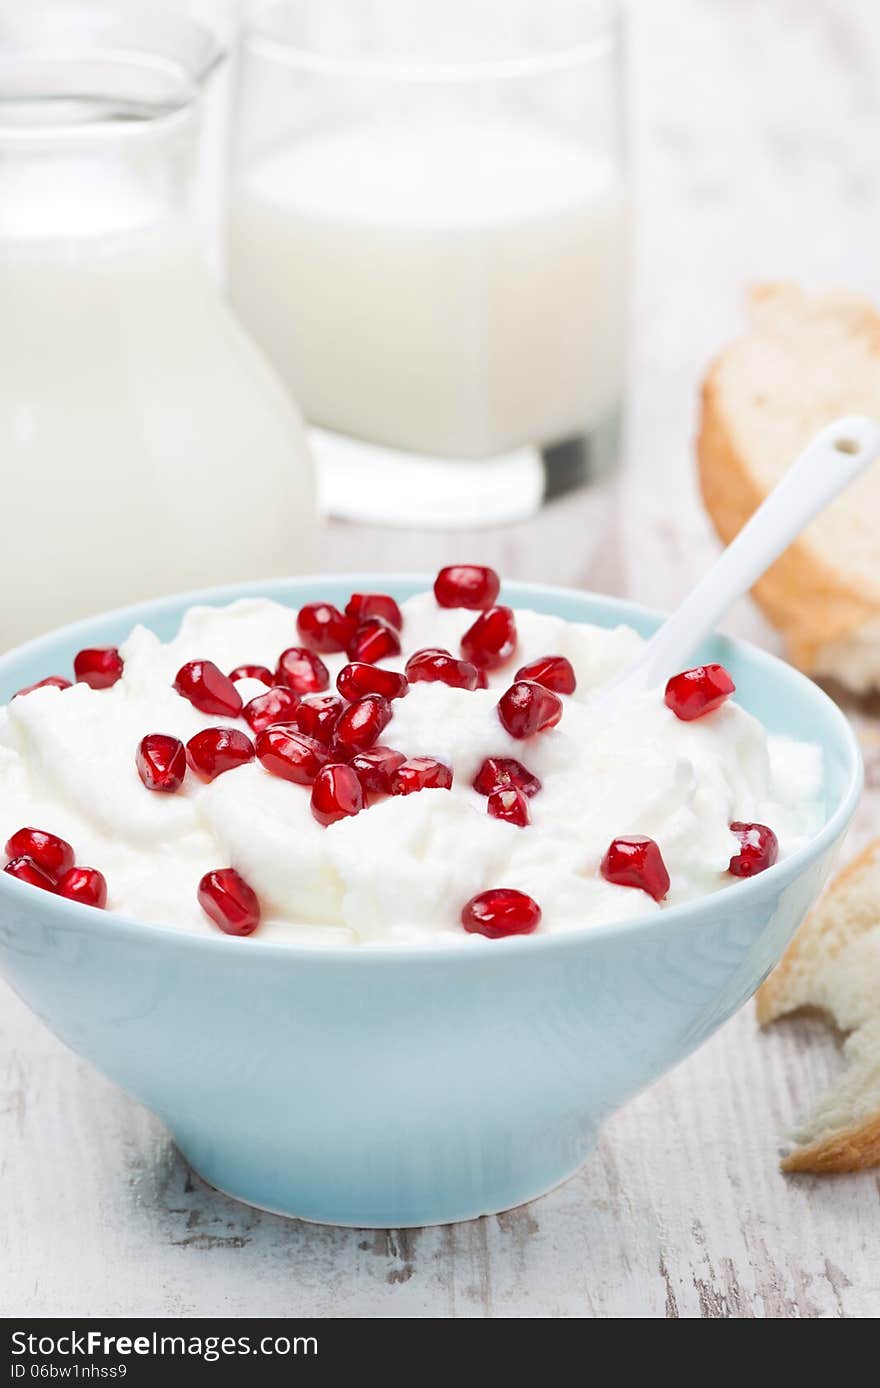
[(146, 446), (456, 290)]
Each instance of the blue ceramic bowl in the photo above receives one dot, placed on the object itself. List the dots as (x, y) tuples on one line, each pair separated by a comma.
[(417, 1085)]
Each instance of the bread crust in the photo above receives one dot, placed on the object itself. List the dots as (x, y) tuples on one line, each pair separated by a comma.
[(857, 1146), (802, 596), (851, 1149)]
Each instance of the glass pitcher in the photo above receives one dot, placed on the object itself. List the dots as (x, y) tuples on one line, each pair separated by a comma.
[(145, 444)]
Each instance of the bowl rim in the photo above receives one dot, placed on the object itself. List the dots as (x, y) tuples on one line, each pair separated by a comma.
[(747, 890)]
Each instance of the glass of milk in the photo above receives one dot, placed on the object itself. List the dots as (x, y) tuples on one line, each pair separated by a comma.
[(428, 234), (146, 444)]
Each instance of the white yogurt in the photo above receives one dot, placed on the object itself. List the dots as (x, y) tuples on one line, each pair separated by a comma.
[(402, 869)]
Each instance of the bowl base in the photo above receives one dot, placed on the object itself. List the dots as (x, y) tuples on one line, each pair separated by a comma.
[(246, 1192)]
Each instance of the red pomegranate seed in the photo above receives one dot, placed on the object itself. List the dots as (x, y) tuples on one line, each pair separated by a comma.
[(275, 706), (498, 773), (358, 679), (527, 708), (208, 689), (86, 885), (482, 680), (317, 716), (215, 750), (491, 640), (759, 851), (290, 754), (500, 912), (436, 665), (252, 672), (50, 682), (360, 725), (696, 692), (25, 870), (509, 804), (466, 585), (46, 851), (361, 606), (336, 794), (552, 671), (420, 773), (98, 666), (375, 767), (324, 628), (229, 902), (302, 671), (636, 862), (161, 762), (374, 640)]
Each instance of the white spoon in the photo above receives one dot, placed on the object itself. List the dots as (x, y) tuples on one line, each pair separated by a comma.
[(837, 455)]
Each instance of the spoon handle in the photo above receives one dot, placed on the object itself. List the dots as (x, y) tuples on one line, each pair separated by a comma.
[(836, 456)]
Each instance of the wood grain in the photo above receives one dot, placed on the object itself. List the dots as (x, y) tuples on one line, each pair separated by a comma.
[(754, 155)]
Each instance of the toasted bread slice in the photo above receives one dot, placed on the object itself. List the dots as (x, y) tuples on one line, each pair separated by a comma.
[(833, 963), (804, 361)]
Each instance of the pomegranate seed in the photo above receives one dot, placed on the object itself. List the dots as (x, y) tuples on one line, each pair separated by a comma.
[(527, 708), (161, 762), (336, 794), (500, 912), (323, 627), (317, 717), (215, 750), (696, 692), (86, 885), (50, 682), (208, 689), (25, 870), (759, 851), (376, 766), (498, 773), (420, 773), (509, 804), (275, 706), (98, 666), (361, 724), (482, 680), (289, 754), (302, 671), (229, 902), (374, 640), (491, 640), (466, 585), (252, 672), (48, 852), (361, 606), (552, 671), (434, 664), (636, 862), (358, 679)]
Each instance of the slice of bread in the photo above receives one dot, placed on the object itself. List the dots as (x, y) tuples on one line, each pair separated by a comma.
[(833, 963), (804, 361)]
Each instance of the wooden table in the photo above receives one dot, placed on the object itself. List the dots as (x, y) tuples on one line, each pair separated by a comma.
[(755, 152)]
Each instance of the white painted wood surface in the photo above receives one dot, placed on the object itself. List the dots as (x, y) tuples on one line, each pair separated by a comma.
[(756, 155)]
